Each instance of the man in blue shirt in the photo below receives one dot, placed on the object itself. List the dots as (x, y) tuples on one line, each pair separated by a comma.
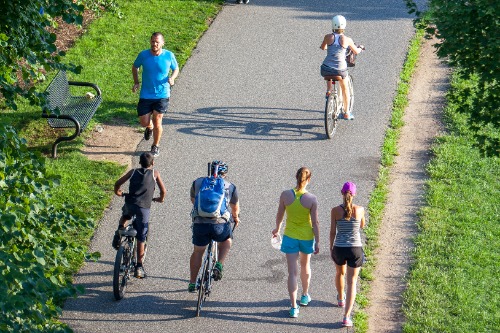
[(155, 90)]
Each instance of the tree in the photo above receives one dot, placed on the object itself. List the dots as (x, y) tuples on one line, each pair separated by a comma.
[(27, 47)]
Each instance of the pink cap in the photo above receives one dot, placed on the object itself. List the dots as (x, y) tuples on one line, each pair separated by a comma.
[(349, 187)]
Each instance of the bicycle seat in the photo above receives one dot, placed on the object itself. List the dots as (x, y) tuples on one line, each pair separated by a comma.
[(333, 77), (129, 232)]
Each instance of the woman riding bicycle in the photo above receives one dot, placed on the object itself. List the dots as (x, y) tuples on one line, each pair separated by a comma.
[(336, 45)]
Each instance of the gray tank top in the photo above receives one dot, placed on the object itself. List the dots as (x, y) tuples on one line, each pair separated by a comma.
[(348, 234), (141, 188), (335, 55)]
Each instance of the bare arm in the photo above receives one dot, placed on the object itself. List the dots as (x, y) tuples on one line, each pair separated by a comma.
[(279, 216), (171, 79), (353, 46), (135, 76), (122, 181), (361, 212), (163, 190), (315, 225), (235, 212), (333, 228)]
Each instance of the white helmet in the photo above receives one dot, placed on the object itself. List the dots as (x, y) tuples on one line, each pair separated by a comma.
[(338, 22)]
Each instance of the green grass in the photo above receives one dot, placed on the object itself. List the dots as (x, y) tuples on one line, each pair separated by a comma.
[(378, 197), (454, 284), (106, 51)]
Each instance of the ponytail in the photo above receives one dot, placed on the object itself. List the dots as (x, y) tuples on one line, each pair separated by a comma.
[(302, 176), (348, 204)]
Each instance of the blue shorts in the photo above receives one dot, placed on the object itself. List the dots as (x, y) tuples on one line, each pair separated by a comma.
[(292, 245), (203, 233), (141, 222), (146, 106), (327, 71)]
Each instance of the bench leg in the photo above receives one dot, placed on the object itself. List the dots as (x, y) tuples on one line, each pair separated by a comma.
[(66, 138)]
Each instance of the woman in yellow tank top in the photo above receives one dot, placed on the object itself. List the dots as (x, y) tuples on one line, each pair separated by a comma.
[(301, 236)]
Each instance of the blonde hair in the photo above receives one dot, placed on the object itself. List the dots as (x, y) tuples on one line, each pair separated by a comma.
[(338, 31), (302, 176), (348, 204)]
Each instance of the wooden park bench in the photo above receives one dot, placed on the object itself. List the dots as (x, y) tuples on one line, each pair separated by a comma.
[(63, 110)]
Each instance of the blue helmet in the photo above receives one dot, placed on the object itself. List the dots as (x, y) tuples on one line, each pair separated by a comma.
[(221, 167)]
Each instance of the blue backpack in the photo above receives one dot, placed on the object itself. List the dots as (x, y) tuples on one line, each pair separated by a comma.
[(211, 199)]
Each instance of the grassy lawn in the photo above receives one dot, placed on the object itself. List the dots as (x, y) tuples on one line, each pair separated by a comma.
[(454, 284), (106, 52)]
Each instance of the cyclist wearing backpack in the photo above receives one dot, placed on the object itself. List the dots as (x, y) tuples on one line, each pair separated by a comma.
[(215, 206), (336, 45)]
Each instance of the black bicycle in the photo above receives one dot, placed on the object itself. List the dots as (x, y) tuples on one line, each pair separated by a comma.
[(206, 275), (125, 260)]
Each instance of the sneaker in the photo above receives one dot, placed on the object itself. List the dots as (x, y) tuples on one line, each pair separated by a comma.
[(155, 150), (305, 299), (218, 271), (147, 133), (294, 312), (328, 93), (192, 287), (348, 116), (116, 239), (247, 1), (139, 272), (347, 322), (341, 302)]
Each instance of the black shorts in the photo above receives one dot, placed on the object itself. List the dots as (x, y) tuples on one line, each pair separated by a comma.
[(141, 222), (354, 256), (204, 233), (327, 71), (146, 106)]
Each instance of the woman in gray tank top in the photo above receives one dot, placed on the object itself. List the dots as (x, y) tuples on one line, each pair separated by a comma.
[(346, 246), (336, 45)]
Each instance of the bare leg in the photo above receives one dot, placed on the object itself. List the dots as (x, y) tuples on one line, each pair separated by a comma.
[(352, 279), (291, 259), (329, 85), (195, 262), (140, 252), (146, 121), (305, 272), (340, 280), (157, 127), (224, 248)]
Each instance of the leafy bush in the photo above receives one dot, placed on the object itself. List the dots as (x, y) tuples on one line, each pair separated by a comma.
[(33, 250), (468, 38)]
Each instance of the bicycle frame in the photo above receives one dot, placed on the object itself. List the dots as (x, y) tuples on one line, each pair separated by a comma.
[(205, 275)]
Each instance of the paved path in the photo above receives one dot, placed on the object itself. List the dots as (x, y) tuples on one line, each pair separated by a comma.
[(251, 95)]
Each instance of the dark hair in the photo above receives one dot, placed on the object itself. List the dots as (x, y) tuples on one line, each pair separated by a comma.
[(157, 34), (302, 175), (146, 159)]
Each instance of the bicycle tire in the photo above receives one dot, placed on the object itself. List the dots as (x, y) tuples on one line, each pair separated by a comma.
[(202, 279), (121, 271), (331, 116), (351, 93)]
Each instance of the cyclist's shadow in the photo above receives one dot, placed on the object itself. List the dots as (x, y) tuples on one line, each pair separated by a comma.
[(251, 123)]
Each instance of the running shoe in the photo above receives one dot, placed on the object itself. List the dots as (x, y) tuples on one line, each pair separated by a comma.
[(139, 272), (305, 299), (192, 287), (294, 312), (341, 302), (347, 322), (218, 271), (247, 1), (147, 133), (155, 150)]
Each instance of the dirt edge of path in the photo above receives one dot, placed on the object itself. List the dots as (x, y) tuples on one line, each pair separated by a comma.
[(406, 191)]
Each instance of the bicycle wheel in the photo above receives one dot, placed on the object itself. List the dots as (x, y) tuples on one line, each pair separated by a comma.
[(121, 271), (351, 93), (201, 282), (331, 115)]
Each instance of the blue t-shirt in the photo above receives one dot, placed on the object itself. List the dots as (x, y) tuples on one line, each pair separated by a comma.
[(155, 71)]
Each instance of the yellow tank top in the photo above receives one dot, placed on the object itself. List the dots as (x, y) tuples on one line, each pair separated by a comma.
[(298, 219)]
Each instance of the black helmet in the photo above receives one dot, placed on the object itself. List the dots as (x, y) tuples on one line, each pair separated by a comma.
[(221, 167)]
